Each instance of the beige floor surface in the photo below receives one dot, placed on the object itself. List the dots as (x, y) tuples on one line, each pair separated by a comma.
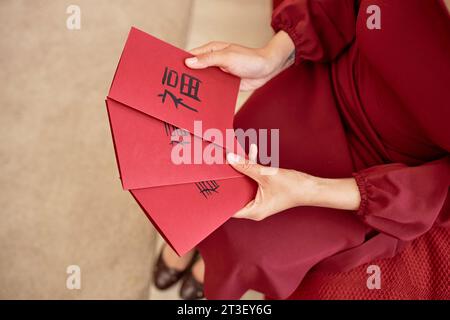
[(61, 202)]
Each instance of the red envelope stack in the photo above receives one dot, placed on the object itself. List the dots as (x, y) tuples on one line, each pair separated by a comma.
[(153, 98)]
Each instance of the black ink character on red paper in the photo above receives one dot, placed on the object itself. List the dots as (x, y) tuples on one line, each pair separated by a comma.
[(207, 188), (172, 132), (188, 86)]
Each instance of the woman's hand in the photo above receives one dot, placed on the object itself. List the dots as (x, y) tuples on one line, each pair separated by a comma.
[(254, 66), (281, 189)]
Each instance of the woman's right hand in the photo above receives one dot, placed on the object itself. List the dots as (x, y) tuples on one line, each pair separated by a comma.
[(255, 66)]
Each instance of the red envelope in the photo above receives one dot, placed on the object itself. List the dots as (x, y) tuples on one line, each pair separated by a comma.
[(154, 100)]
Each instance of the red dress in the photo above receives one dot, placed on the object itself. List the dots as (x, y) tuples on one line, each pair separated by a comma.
[(368, 103)]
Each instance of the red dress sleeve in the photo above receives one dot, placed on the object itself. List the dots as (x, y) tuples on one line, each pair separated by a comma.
[(320, 29), (412, 58), (404, 201)]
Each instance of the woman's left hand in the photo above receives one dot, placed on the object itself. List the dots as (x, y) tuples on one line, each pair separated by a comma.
[(281, 189)]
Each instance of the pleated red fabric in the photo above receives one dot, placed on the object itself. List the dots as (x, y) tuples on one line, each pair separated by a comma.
[(362, 102)]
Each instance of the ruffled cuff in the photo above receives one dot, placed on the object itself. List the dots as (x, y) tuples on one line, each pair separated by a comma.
[(403, 201), (279, 24), (362, 184)]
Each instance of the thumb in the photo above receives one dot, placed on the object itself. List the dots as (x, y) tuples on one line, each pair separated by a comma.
[(246, 211), (205, 60), (245, 166)]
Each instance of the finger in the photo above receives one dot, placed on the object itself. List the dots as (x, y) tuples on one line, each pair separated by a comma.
[(205, 60), (253, 153), (244, 166), (251, 211), (246, 212), (209, 47)]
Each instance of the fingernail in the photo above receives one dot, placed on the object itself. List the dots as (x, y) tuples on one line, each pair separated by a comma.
[(233, 158), (191, 61)]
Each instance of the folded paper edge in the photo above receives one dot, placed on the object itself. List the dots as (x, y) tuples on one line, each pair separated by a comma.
[(114, 145), (147, 214), (126, 186), (134, 29), (182, 250)]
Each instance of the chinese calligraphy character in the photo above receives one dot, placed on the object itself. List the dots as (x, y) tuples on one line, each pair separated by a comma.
[(189, 86), (207, 188), (172, 131), (170, 78)]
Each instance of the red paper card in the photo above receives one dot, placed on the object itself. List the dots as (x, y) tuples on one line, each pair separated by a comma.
[(185, 216), (152, 78), (153, 97), (145, 151)]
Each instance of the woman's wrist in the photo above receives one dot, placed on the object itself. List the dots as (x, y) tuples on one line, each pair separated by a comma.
[(279, 52), (329, 193)]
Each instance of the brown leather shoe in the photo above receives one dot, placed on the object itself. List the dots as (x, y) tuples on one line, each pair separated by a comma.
[(165, 276), (191, 289)]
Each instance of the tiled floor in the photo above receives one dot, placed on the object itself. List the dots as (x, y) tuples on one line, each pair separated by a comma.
[(244, 22)]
